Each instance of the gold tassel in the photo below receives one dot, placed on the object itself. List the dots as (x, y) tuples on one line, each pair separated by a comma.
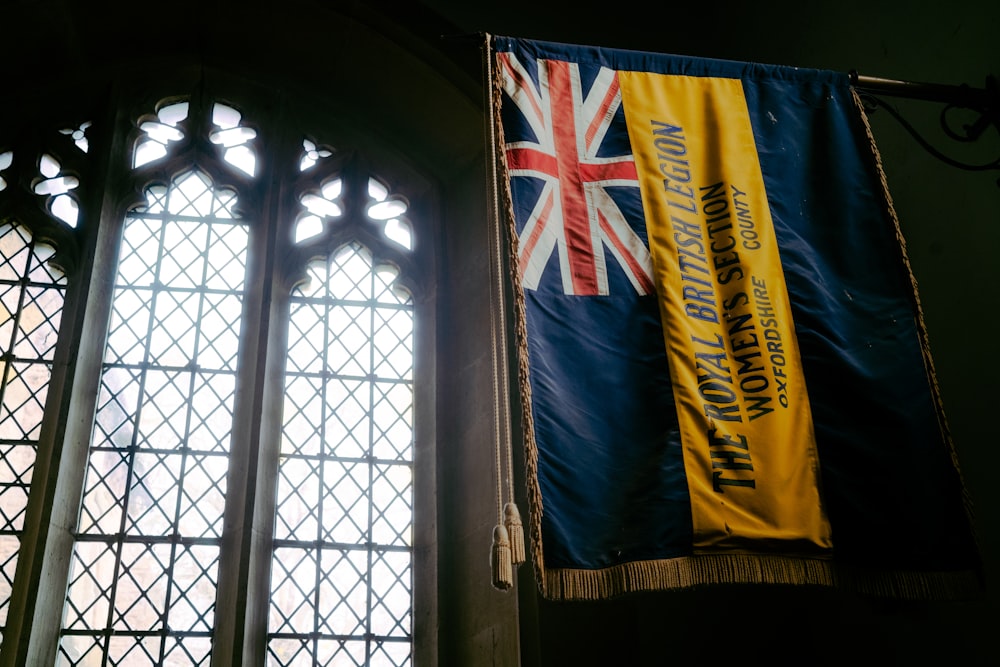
[(515, 530), (503, 569)]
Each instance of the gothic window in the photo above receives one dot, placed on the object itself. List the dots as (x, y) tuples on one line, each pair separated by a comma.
[(242, 343), (340, 576), (147, 552)]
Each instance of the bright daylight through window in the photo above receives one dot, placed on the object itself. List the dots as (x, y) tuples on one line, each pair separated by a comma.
[(204, 279)]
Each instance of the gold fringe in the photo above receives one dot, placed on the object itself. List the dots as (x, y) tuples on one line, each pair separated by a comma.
[(890, 210), (510, 516), (500, 561), (521, 334), (692, 571), (515, 530)]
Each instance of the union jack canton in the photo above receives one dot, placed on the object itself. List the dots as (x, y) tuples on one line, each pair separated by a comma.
[(579, 152)]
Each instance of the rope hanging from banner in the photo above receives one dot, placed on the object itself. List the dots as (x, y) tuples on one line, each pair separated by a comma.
[(508, 534)]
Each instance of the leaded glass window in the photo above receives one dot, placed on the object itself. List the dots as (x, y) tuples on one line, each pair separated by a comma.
[(341, 580), (143, 580), (217, 396), (31, 299)]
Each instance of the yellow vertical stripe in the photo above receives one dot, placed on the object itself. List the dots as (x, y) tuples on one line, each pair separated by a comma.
[(746, 425)]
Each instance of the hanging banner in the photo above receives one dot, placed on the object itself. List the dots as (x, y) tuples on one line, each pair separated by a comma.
[(727, 377)]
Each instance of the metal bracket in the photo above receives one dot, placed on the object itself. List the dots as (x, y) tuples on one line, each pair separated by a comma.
[(985, 102)]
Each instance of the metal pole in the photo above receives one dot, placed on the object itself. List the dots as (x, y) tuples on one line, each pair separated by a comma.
[(963, 95)]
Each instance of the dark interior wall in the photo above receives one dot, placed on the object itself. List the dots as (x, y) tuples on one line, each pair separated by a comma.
[(337, 53)]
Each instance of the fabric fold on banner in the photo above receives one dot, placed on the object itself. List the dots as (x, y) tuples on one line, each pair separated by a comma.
[(725, 372)]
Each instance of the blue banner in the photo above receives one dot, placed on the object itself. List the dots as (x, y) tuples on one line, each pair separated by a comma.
[(728, 374)]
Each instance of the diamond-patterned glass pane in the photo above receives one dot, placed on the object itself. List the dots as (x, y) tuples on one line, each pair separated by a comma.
[(79, 650), (348, 349), (31, 302), (351, 274), (343, 592), (132, 650), (303, 414), (174, 331), (164, 407), (152, 497), (285, 652), (38, 322), (220, 339), (117, 401), (345, 501), (212, 394), (203, 496), (293, 585), (141, 588), (15, 252), (24, 390), (392, 506), (104, 492), (140, 242), (391, 589), (347, 418), (193, 600), (130, 313), (341, 580), (91, 577), (227, 272), (16, 467), (146, 562), (336, 653), (298, 491), (392, 417), (187, 651), (392, 338), (306, 337), (394, 654), (9, 547), (191, 195), (10, 298), (183, 264)]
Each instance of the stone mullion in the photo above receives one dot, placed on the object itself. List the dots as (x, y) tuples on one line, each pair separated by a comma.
[(243, 592), (39, 594)]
